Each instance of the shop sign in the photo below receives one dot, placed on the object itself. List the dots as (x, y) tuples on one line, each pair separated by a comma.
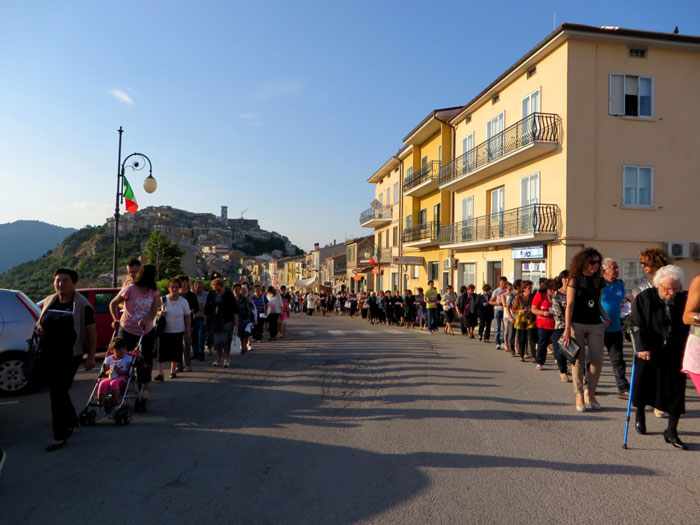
[(377, 271), (413, 261), (528, 252)]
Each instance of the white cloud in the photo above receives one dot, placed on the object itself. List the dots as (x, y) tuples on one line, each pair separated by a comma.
[(281, 89), (121, 96), (252, 118)]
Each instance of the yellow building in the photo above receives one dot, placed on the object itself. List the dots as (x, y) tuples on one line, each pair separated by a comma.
[(384, 216), (590, 139)]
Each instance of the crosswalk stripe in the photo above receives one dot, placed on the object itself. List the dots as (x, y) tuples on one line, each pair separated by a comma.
[(308, 332), (366, 332), (336, 332)]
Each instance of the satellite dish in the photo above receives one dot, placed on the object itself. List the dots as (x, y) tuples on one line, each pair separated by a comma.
[(375, 204)]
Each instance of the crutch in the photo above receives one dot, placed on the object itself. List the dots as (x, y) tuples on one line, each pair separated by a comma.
[(634, 331)]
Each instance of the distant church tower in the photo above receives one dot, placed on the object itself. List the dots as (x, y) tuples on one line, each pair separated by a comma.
[(224, 213)]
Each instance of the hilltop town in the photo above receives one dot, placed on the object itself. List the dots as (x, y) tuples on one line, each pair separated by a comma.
[(211, 244)]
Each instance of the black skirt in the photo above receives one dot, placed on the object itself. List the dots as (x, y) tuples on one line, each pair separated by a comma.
[(170, 347), (659, 383)]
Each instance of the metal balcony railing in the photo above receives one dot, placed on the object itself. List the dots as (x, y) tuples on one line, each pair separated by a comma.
[(430, 171), (382, 212), (422, 232), (531, 219), (537, 127)]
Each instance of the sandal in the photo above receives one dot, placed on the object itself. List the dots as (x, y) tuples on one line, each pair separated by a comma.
[(538, 367), (173, 375)]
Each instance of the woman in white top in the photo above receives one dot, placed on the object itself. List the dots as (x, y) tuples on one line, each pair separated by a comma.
[(176, 311), (273, 310)]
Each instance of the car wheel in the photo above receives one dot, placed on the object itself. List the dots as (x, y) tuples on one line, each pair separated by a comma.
[(12, 380)]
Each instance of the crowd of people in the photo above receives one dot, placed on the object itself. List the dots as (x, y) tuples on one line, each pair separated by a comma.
[(584, 307)]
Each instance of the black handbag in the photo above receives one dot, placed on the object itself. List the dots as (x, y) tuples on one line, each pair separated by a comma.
[(32, 362), (570, 351)]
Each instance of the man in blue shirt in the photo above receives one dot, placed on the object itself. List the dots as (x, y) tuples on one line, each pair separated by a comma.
[(613, 297)]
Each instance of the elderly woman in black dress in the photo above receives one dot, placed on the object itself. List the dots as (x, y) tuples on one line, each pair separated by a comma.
[(659, 336)]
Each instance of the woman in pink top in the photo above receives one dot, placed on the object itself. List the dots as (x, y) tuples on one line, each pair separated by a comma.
[(542, 308), (141, 301)]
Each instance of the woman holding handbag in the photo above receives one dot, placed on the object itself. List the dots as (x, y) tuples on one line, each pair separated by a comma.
[(220, 315), (584, 311), (525, 321)]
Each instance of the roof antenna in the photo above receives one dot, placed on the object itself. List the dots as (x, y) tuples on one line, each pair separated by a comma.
[(675, 31)]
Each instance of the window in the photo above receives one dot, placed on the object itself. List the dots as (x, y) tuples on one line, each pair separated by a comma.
[(630, 269), (415, 272), (394, 281), (409, 221), (396, 236), (468, 151), (637, 186), (409, 173), (436, 214), (388, 198), (530, 105), (423, 216), (396, 193), (468, 274), (387, 239), (637, 52), (440, 154), (433, 268), (380, 198), (530, 190), (379, 241), (102, 300), (494, 127), (467, 216), (631, 95)]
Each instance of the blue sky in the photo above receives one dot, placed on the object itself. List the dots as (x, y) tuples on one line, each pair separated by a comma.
[(284, 108)]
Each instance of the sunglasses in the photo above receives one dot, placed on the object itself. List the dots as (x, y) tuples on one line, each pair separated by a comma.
[(594, 261)]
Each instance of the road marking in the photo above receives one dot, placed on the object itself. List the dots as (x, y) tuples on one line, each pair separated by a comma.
[(366, 332), (308, 333), (9, 403), (336, 332)]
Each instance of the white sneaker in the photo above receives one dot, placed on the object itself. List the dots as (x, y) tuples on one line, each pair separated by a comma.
[(226, 364), (499, 347), (216, 363)]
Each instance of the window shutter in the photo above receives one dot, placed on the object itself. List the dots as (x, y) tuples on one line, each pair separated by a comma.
[(617, 94)]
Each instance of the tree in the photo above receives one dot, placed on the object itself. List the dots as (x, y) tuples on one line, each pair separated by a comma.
[(166, 256)]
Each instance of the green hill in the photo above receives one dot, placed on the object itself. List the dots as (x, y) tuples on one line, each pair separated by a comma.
[(88, 251), (23, 241)]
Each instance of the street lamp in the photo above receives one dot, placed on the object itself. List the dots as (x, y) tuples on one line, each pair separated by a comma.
[(135, 162)]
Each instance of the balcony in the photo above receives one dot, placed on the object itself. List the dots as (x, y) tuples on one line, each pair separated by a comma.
[(421, 235), (535, 135), (535, 222), (424, 181), (375, 217)]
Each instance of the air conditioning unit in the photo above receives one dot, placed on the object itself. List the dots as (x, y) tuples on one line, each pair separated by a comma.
[(678, 250), (448, 264), (695, 250)]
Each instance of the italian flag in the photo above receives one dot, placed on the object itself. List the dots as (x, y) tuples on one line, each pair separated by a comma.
[(131, 204)]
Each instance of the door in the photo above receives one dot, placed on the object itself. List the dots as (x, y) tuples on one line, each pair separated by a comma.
[(494, 271), (494, 137), (496, 216), (468, 153), (529, 196)]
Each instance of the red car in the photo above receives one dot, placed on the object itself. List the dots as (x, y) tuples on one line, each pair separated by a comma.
[(100, 298)]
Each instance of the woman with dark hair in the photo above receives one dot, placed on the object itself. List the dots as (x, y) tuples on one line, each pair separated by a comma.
[(660, 336), (221, 314), (141, 301), (559, 307), (176, 311), (409, 308), (542, 307), (583, 321), (651, 260), (273, 310), (525, 321)]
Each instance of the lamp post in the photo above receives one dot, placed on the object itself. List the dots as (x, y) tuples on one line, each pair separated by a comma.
[(150, 185)]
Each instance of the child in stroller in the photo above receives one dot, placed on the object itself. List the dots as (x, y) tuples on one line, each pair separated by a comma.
[(112, 385)]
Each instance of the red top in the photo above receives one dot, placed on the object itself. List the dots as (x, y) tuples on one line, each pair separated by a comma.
[(541, 301)]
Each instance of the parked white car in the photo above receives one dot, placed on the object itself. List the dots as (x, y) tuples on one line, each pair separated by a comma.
[(18, 314)]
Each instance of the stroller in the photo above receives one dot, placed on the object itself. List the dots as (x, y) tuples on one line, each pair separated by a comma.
[(128, 402)]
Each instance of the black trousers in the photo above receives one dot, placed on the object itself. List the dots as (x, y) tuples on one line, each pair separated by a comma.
[(272, 320), (485, 327), (525, 337), (258, 328), (144, 366), (613, 342), (62, 368)]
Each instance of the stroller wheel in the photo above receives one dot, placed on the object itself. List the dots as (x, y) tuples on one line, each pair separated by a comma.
[(91, 417)]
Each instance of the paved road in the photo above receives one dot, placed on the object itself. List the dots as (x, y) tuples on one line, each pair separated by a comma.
[(348, 423)]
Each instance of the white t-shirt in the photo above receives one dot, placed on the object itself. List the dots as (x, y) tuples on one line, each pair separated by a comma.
[(122, 364), (175, 316), (274, 303)]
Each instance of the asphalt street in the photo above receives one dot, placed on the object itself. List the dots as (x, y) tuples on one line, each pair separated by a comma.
[(343, 422)]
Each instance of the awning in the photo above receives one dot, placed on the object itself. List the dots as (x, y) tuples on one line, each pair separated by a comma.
[(305, 283), (363, 269)]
